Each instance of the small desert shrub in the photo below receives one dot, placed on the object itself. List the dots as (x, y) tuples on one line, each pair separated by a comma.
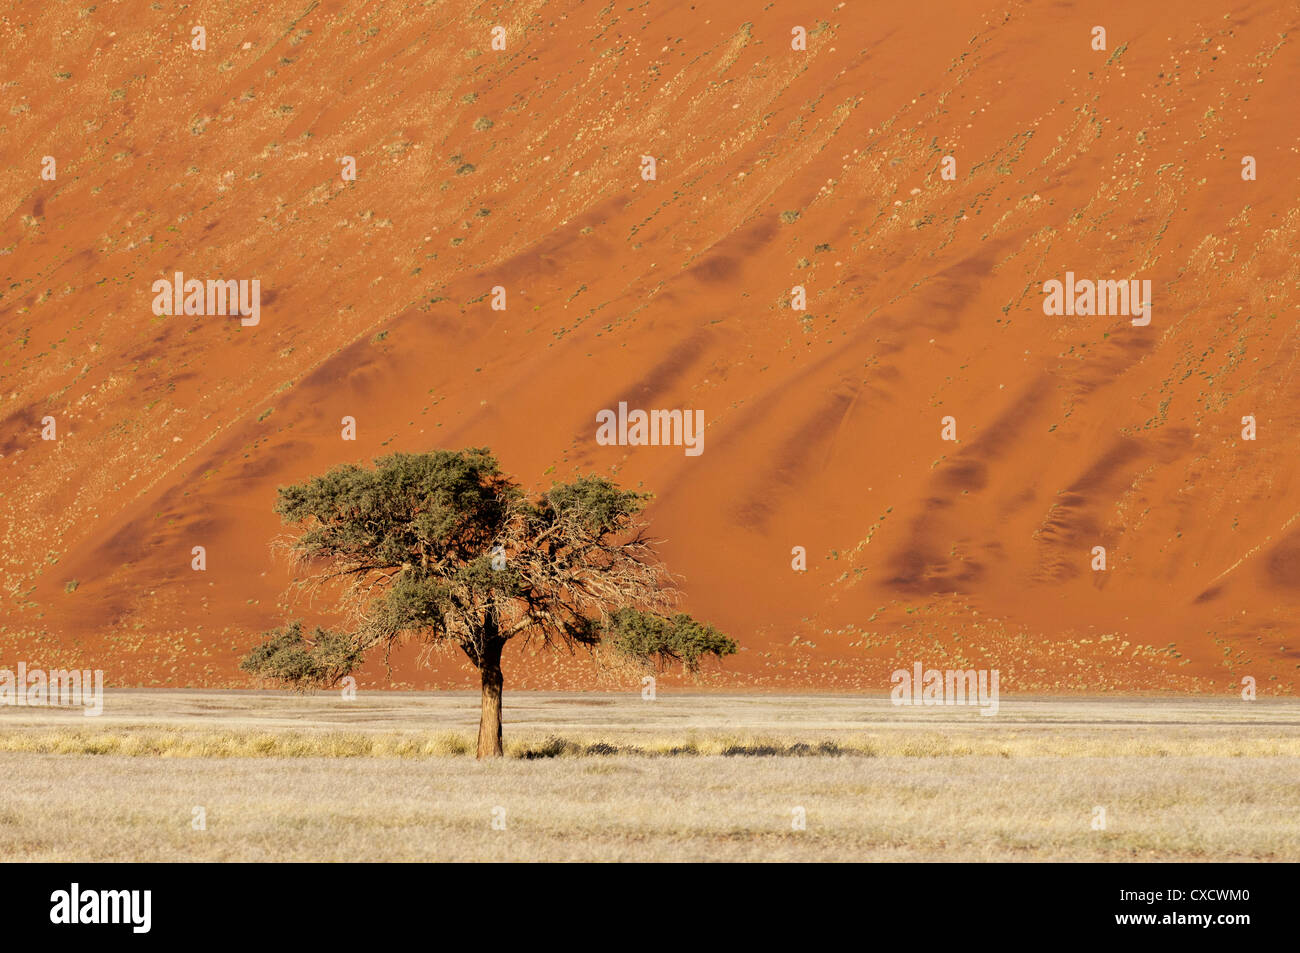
[(676, 639), (287, 656)]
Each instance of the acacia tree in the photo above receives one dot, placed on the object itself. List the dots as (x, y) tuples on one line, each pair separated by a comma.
[(445, 548)]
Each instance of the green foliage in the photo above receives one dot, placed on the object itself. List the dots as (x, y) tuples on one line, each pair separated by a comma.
[(444, 547), (413, 603), (286, 656), (430, 509), (596, 505), (644, 635)]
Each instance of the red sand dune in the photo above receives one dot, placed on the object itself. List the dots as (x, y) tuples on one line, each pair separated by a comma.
[(823, 427)]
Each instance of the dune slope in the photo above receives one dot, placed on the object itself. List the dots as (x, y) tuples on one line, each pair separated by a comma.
[(521, 168)]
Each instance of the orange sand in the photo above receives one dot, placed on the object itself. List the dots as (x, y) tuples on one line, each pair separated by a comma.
[(823, 428)]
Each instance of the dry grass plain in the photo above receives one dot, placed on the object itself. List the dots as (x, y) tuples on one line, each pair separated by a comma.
[(613, 777)]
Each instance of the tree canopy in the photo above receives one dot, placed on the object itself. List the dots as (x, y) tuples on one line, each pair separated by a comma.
[(444, 547)]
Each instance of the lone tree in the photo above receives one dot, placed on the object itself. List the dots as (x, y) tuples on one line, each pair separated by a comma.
[(443, 547)]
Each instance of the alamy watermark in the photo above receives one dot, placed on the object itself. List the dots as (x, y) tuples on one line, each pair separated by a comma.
[(930, 686), (1084, 296), (651, 428), (38, 688), (213, 297), (131, 907)]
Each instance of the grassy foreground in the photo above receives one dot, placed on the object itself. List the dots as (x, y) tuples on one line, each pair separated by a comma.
[(591, 777)]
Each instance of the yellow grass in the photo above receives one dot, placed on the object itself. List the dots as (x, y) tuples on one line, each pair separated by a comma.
[(595, 777), (290, 743)]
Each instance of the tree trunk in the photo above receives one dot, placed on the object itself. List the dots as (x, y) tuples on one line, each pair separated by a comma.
[(489, 724)]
